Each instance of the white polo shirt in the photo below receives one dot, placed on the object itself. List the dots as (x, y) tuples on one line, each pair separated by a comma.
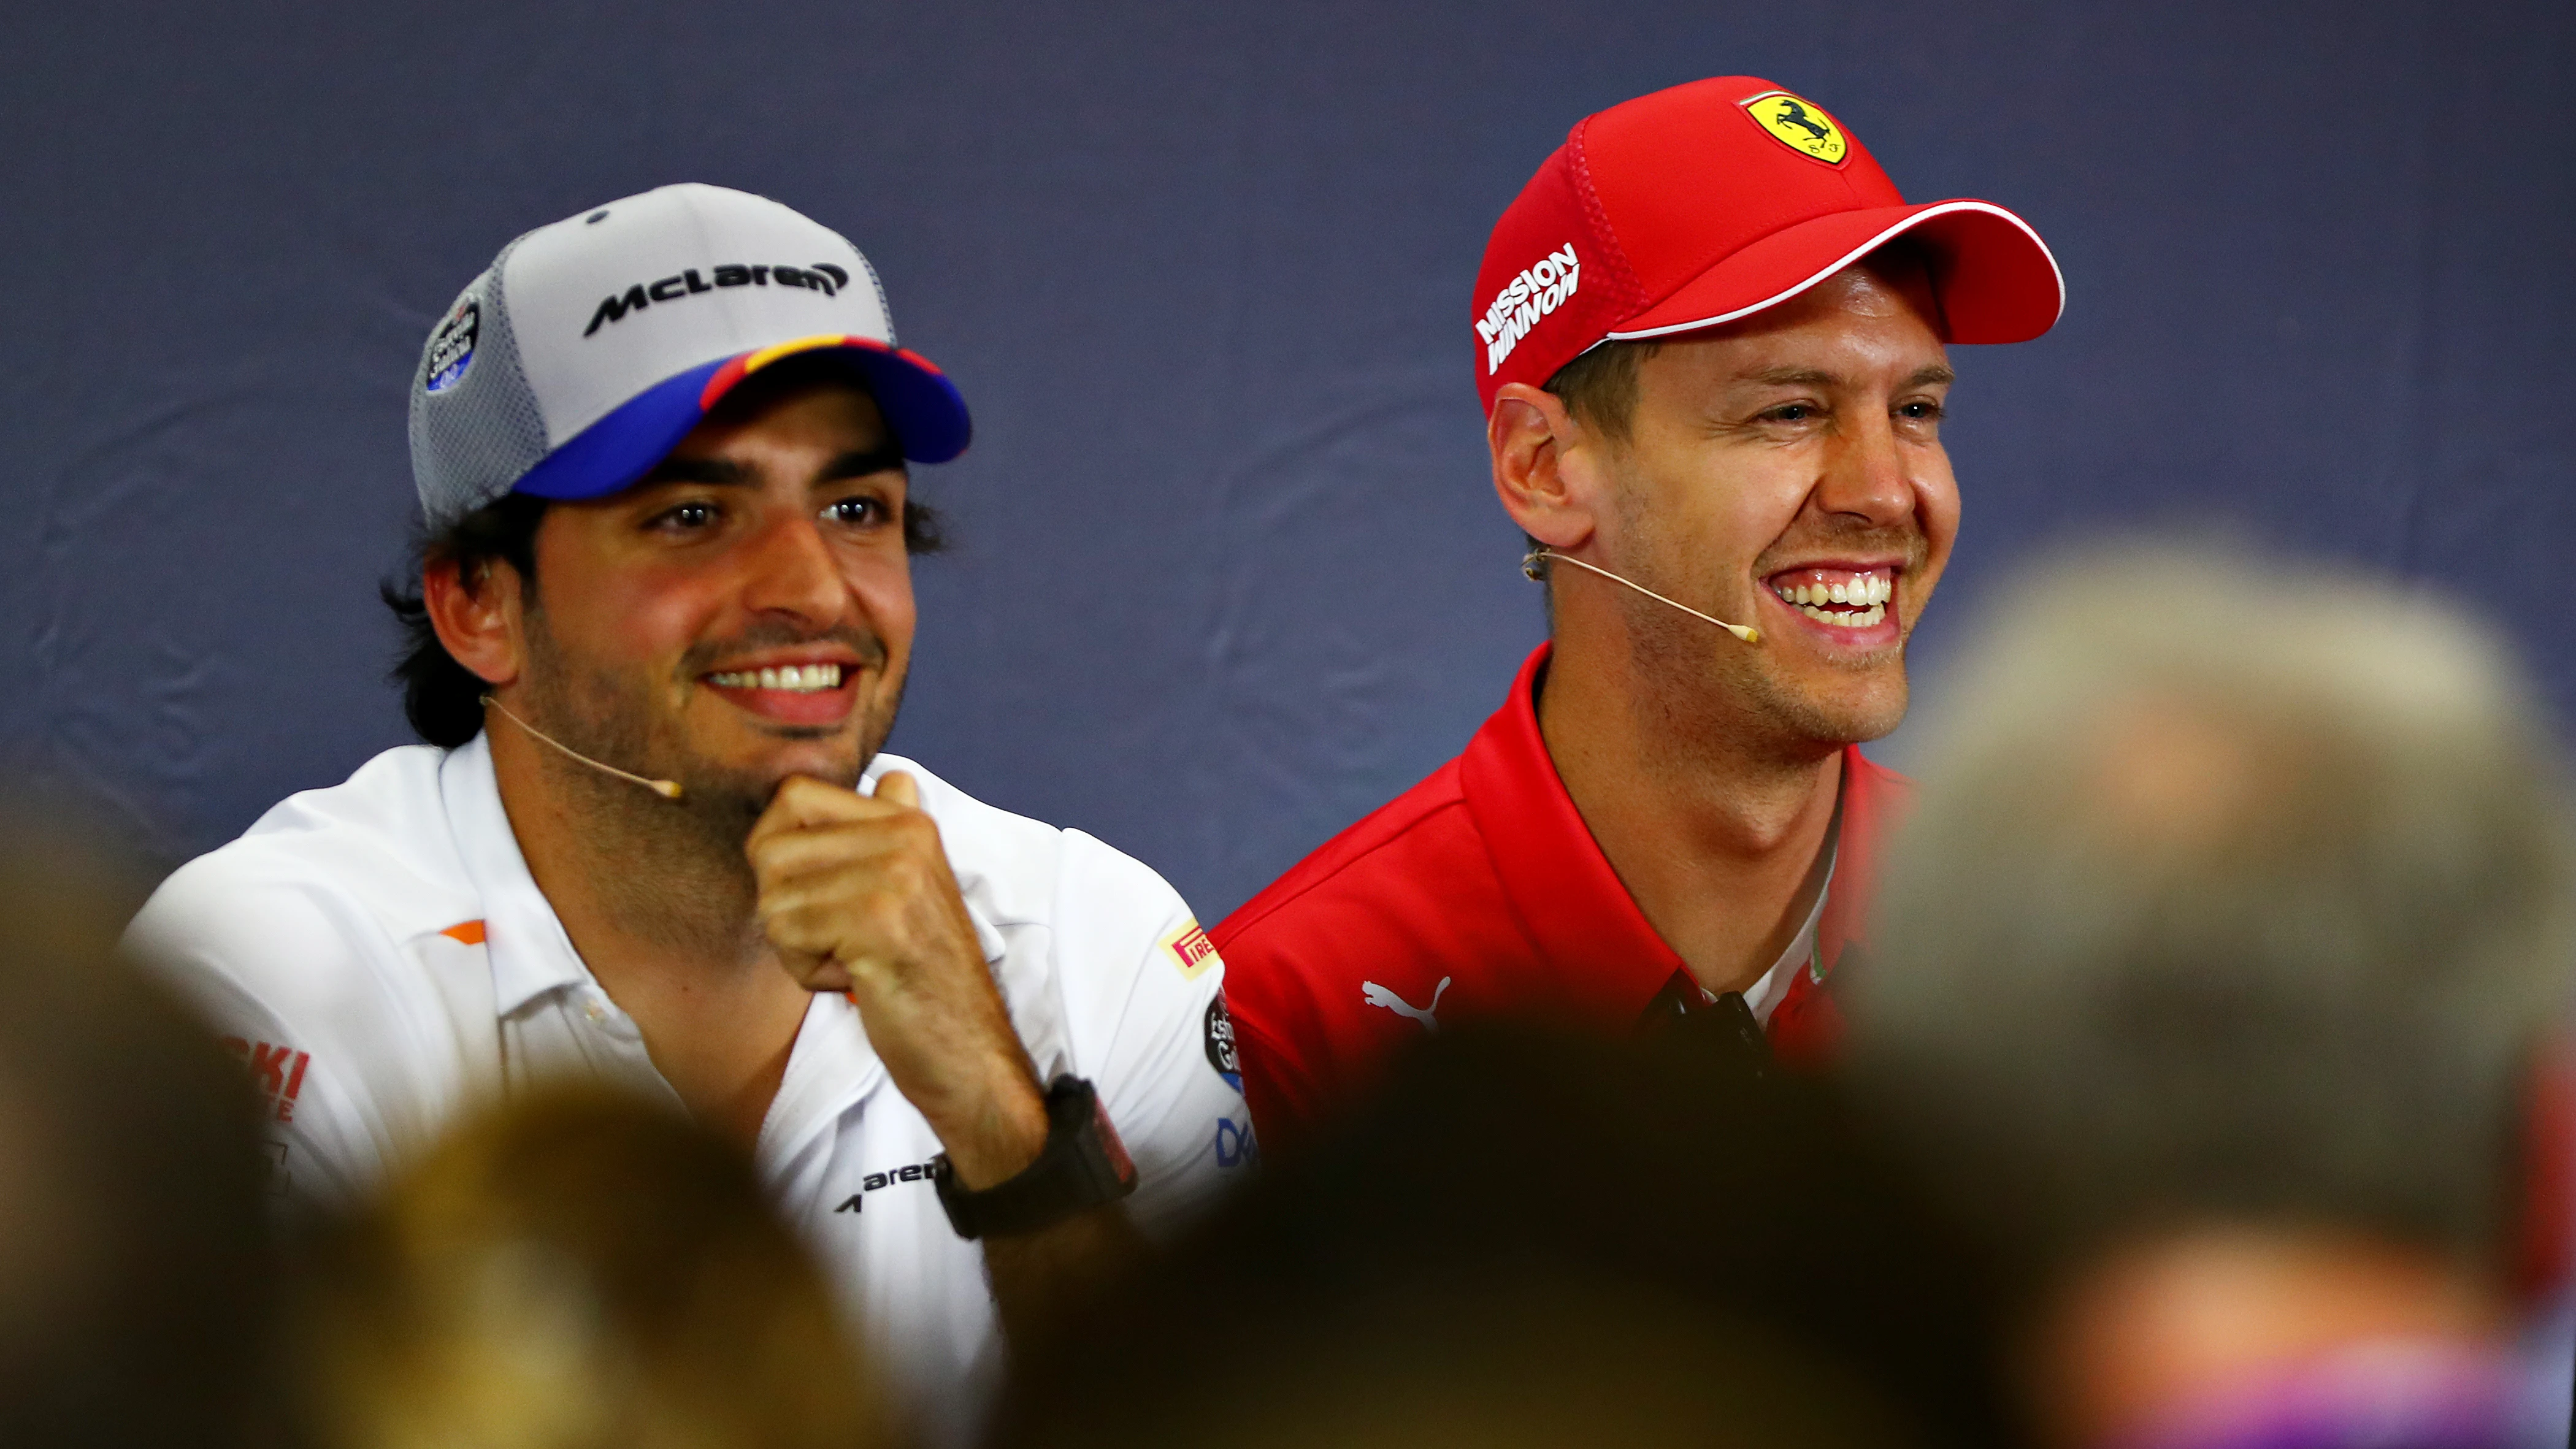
[(379, 956)]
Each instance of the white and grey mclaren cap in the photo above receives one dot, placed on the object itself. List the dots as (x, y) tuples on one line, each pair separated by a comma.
[(590, 347)]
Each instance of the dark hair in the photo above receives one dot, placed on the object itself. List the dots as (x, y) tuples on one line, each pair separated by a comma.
[(1420, 1219), (443, 699), (1600, 386), (137, 1306), (702, 1315)]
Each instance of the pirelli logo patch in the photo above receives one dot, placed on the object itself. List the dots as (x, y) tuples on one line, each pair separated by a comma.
[(1191, 951)]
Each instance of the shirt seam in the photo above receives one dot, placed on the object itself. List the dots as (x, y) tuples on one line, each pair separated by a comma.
[(1248, 925), (1276, 1050)]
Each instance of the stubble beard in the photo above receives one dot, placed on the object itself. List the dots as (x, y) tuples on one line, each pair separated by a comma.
[(673, 870), (1709, 692)]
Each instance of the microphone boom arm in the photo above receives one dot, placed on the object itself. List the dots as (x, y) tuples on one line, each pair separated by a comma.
[(1531, 565), (667, 789)]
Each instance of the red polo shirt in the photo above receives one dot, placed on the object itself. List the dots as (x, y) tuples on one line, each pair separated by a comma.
[(1479, 892)]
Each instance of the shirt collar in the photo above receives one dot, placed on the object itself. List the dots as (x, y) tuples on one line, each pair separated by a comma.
[(1572, 904), (530, 953), (1872, 801), (831, 1064), (1803, 952)]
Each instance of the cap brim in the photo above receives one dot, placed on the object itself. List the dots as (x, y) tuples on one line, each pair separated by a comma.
[(1994, 278), (920, 404)]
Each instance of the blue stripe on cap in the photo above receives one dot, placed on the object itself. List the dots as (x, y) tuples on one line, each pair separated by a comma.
[(623, 446), (925, 410), (923, 407)]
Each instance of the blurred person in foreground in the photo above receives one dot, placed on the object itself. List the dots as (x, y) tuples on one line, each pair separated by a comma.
[(135, 1278), (663, 622), (577, 1268), (2223, 963), (1537, 1239), (1712, 344)]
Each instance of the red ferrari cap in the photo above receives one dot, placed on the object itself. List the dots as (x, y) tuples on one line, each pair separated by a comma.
[(1698, 205)]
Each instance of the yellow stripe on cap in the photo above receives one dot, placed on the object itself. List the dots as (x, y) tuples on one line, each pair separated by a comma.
[(767, 355)]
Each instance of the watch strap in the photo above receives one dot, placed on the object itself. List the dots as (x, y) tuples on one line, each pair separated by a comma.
[(1082, 1166)]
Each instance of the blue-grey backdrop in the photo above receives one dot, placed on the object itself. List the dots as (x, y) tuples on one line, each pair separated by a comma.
[(1230, 570)]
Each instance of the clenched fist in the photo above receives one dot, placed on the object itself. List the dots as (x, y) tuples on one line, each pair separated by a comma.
[(856, 895)]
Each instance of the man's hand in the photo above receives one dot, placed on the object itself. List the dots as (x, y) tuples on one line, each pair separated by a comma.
[(856, 895)]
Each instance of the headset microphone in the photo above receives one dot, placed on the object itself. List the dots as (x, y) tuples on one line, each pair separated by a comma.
[(667, 789), (1534, 564)]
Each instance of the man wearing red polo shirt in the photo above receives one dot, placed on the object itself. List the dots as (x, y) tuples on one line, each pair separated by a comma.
[(1710, 337)]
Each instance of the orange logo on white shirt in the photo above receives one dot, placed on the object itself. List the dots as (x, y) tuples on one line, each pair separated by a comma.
[(278, 1072)]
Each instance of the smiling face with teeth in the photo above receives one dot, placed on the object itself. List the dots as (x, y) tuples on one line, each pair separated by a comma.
[(741, 614), (1785, 472)]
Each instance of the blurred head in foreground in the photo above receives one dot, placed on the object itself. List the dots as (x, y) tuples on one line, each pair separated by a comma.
[(1526, 1240), (577, 1268), (133, 1265), (2222, 958)]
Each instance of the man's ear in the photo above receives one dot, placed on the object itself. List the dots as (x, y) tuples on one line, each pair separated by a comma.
[(477, 618), (1546, 465)]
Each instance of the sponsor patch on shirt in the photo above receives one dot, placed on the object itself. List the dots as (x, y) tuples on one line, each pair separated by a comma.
[(1220, 1044), (278, 1072), (1235, 1144), (879, 1181), (1191, 950)]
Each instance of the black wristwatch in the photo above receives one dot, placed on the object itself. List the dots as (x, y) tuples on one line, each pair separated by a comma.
[(1082, 1166)]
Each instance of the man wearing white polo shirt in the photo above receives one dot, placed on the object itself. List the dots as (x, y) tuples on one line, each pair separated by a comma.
[(664, 622)]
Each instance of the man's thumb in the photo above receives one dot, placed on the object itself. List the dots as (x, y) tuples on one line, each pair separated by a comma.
[(897, 788)]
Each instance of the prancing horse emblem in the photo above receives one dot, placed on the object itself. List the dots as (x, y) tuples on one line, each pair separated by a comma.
[(1794, 114), (1376, 995), (1799, 124)]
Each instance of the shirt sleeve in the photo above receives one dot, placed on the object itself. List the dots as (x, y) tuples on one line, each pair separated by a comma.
[(1282, 1098), (1145, 984), (287, 989)]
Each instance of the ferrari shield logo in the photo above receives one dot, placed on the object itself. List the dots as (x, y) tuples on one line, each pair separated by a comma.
[(1799, 124)]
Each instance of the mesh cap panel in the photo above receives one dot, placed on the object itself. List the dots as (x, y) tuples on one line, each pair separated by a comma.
[(474, 437)]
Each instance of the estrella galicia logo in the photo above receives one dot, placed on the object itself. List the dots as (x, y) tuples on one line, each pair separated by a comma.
[(451, 347), (1220, 1044)]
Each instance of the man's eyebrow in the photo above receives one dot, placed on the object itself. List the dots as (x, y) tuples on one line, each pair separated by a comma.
[(1790, 377), (886, 457), (725, 472), (718, 471), (1931, 374)]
